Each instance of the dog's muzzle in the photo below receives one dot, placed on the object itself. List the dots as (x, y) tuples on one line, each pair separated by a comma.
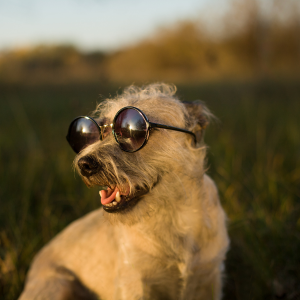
[(112, 199)]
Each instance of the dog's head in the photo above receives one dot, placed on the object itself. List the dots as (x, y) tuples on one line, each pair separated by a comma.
[(124, 177)]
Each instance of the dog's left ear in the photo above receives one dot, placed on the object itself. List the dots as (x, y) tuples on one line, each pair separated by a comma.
[(198, 118)]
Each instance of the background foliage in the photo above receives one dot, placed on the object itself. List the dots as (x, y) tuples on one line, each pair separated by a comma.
[(253, 156)]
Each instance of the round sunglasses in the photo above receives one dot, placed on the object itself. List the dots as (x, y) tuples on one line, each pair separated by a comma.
[(130, 127)]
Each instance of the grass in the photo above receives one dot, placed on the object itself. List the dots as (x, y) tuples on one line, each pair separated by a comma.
[(254, 157)]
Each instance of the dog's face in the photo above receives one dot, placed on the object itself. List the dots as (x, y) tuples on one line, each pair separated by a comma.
[(126, 178)]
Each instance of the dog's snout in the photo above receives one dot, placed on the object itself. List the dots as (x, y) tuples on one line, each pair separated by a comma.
[(88, 166)]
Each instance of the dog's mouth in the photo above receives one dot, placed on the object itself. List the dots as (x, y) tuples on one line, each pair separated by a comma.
[(113, 200)]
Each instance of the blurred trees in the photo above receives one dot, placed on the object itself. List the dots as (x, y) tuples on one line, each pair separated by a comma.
[(252, 43), (50, 64)]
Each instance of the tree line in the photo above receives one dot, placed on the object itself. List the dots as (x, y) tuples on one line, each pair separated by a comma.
[(251, 45)]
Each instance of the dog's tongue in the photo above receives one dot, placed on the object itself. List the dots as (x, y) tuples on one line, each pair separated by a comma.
[(108, 196)]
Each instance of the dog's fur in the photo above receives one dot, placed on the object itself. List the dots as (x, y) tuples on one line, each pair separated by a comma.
[(170, 244)]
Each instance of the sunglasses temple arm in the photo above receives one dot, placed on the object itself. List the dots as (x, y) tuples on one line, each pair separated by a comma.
[(155, 125)]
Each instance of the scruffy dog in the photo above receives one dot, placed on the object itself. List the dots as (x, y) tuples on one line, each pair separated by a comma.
[(161, 231)]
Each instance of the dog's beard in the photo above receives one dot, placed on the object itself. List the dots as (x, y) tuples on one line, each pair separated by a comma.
[(119, 193), (142, 202), (166, 198)]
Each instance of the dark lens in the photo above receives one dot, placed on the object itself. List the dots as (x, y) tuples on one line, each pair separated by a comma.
[(130, 129), (82, 132)]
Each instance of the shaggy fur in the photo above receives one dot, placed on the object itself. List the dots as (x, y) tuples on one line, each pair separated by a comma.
[(171, 244)]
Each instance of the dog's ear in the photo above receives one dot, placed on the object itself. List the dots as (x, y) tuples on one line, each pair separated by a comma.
[(198, 117)]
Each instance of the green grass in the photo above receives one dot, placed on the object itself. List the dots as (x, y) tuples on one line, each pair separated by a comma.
[(254, 157)]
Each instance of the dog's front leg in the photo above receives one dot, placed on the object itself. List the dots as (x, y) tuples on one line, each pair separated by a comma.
[(56, 284), (202, 285), (128, 284), (202, 279)]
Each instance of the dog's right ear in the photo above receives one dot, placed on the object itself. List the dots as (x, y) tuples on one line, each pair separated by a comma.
[(198, 117)]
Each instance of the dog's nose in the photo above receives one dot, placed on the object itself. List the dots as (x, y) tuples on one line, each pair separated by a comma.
[(88, 166)]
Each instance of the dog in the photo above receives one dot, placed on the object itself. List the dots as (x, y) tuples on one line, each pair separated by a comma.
[(161, 231)]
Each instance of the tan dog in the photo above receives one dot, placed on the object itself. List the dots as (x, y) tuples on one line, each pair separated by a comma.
[(161, 231)]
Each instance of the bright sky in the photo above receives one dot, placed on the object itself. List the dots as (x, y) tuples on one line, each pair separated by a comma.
[(90, 24)]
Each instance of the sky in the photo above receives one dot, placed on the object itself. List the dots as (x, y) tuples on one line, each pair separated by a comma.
[(90, 24)]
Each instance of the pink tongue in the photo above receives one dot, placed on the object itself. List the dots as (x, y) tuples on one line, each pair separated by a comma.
[(105, 199)]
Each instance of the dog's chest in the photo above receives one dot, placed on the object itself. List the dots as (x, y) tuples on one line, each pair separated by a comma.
[(153, 253)]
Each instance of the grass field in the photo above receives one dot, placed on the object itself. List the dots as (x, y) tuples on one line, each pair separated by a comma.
[(254, 157)]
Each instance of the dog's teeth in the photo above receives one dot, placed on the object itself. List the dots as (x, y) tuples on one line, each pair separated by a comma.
[(118, 197), (114, 203)]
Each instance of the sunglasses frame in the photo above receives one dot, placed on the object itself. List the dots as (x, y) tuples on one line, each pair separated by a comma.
[(149, 127)]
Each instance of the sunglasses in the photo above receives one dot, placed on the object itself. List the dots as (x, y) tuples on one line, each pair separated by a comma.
[(130, 127)]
